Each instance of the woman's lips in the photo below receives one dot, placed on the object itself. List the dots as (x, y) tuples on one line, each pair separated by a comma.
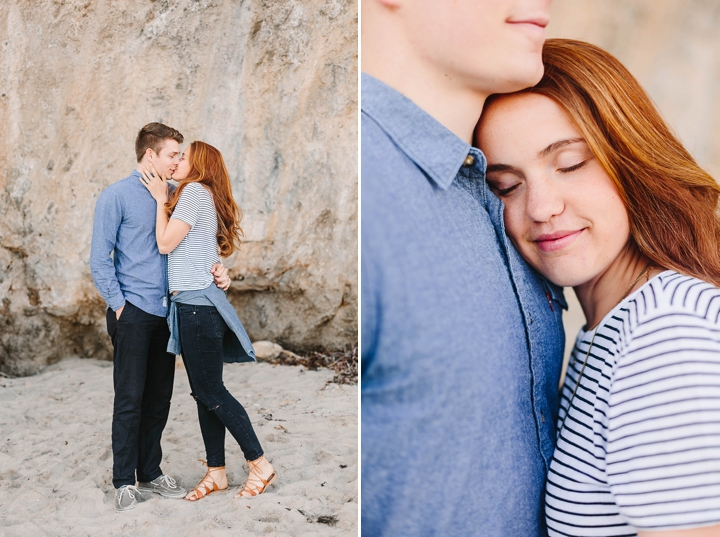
[(551, 242)]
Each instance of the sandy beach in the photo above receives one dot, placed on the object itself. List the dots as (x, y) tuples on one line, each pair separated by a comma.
[(56, 460)]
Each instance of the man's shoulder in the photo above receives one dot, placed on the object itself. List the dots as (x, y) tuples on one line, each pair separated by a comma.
[(381, 156), (118, 188), (121, 193)]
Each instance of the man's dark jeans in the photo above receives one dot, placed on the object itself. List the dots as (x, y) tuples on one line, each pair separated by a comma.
[(143, 374), (201, 338)]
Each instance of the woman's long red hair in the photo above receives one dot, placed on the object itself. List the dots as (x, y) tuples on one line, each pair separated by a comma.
[(207, 167), (672, 203)]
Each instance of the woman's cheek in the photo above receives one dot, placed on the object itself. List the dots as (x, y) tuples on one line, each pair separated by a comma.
[(514, 220)]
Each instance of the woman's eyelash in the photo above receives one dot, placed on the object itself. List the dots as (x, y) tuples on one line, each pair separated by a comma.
[(508, 190), (573, 168), (503, 191)]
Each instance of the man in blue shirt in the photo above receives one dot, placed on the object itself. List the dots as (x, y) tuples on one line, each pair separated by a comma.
[(133, 283), (461, 341)]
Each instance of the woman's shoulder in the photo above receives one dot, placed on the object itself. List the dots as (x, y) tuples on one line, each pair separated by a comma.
[(672, 310), (674, 293), (196, 189), (197, 193)]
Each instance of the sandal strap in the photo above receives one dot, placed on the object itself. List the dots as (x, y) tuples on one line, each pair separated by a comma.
[(255, 484), (203, 489)]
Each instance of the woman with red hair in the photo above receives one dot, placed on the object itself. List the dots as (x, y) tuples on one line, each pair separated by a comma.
[(600, 196), (195, 222)]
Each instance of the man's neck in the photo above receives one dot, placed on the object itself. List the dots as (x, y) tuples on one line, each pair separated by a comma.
[(456, 108), (449, 100)]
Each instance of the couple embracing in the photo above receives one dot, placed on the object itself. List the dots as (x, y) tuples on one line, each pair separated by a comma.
[(498, 168), (155, 260)]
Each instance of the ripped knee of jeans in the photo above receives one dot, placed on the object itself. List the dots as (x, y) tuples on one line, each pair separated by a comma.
[(214, 409)]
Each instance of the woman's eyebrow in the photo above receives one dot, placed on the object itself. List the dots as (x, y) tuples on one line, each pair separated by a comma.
[(549, 149), (499, 168), (557, 145)]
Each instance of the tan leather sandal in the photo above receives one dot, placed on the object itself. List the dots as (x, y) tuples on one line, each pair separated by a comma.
[(208, 484), (260, 477)]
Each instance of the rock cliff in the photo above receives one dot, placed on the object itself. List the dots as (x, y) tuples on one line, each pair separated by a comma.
[(272, 84)]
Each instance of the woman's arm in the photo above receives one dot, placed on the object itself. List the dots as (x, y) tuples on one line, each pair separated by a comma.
[(168, 233), (708, 531)]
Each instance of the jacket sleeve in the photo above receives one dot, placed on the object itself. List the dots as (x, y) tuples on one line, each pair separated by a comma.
[(108, 217)]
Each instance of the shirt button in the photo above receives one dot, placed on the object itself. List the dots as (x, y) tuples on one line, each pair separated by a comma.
[(469, 161)]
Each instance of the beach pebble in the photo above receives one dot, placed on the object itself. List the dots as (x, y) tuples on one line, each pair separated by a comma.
[(266, 350)]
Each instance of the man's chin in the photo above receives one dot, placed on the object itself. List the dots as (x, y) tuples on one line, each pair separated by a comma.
[(524, 76)]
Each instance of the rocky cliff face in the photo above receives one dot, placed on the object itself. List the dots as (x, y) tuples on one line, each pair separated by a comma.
[(272, 84)]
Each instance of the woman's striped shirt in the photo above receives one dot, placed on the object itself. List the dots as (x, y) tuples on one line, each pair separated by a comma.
[(640, 448), (190, 262)]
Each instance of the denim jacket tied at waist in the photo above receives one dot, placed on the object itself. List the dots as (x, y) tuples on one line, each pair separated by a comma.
[(236, 343)]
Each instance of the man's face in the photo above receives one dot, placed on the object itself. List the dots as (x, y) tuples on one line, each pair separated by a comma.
[(166, 160), (493, 46)]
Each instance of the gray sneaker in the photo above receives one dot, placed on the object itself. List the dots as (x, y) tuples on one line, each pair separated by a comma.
[(125, 498), (164, 486)]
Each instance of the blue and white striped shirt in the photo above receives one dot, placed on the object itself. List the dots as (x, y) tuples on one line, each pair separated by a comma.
[(640, 448)]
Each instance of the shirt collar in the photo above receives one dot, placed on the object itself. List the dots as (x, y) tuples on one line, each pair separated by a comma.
[(135, 181), (436, 150)]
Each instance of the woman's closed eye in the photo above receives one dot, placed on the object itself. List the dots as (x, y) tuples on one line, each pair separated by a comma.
[(505, 191), (503, 187), (574, 167)]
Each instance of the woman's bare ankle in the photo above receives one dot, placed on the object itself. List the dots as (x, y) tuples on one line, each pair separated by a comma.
[(218, 474)]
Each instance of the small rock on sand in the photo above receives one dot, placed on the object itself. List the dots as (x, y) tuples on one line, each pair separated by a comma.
[(266, 350)]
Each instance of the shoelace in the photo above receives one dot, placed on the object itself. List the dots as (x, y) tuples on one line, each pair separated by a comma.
[(129, 489), (168, 481)]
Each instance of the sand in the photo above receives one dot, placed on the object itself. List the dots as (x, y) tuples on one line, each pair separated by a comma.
[(56, 458)]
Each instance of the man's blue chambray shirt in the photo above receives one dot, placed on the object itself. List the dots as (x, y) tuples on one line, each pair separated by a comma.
[(124, 225), (461, 341)]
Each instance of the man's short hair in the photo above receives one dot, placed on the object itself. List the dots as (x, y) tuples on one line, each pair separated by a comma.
[(153, 136)]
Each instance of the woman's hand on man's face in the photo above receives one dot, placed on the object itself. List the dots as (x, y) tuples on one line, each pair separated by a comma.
[(155, 183)]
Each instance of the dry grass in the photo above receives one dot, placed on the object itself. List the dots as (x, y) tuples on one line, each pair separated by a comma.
[(344, 363)]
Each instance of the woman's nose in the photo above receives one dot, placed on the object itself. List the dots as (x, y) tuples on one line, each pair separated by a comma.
[(544, 199)]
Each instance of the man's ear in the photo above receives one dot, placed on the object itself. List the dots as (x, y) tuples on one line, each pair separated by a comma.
[(149, 154)]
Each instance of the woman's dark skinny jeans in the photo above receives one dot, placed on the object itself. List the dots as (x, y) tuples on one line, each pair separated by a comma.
[(201, 338)]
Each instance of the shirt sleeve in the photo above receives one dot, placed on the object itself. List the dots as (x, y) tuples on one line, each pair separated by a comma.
[(188, 205), (663, 445), (107, 220)]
